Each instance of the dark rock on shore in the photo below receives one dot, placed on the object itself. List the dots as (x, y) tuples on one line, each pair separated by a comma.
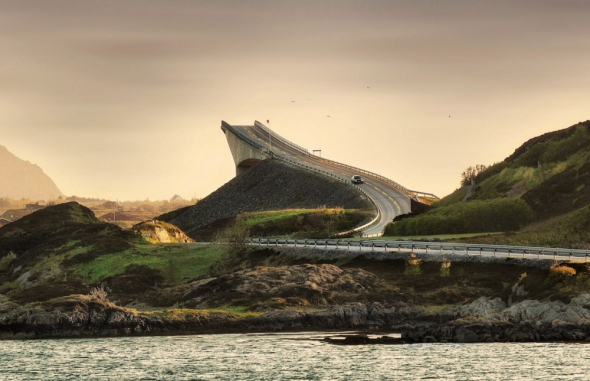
[(363, 340), (359, 316), (86, 316), (490, 320)]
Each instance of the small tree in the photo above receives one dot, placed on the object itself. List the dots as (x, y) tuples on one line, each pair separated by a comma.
[(234, 243), (98, 294), (471, 173), (234, 238)]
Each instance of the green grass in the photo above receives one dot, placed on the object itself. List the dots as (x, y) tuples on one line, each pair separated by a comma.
[(177, 263), (571, 230), (496, 215), (302, 223), (240, 312), (435, 236), (432, 309), (453, 198), (258, 218)]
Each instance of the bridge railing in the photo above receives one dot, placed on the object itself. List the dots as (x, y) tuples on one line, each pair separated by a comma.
[(280, 138)]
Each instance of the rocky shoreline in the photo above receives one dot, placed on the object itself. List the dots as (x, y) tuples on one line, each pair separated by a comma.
[(484, 320)]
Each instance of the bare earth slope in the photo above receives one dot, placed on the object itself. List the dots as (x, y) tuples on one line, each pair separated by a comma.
[(270, 185), (21, 179)]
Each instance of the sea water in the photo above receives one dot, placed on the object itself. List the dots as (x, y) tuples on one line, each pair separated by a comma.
[(299, 356)]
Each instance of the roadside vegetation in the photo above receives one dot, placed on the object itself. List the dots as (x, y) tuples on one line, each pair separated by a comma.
[(538, 196), (571, 230), (495, 215)]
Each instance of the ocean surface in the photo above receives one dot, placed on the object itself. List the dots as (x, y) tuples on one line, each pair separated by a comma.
[(300, 356)]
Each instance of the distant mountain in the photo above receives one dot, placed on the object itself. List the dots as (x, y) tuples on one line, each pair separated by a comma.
[(21, 179)]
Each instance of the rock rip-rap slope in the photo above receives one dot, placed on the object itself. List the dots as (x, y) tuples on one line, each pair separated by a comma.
[(270, 185)]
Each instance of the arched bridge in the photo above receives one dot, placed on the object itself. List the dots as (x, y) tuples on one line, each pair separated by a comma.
[(251, 144)]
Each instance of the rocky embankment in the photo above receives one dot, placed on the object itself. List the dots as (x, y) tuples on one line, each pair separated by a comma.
[(270, 185), (492, 320), (270, 288), (82, 316), (485, 320)]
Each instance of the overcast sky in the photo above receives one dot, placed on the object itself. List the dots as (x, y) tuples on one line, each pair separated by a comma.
[(124, 99)]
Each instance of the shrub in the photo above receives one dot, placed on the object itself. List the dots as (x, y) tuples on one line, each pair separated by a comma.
[(98, 294), (234, 243), (234, 238), (557, 271), (501, 214), (445, 269), (413, 266), (6, 261)]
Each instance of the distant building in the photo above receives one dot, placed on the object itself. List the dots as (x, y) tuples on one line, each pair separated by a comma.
[(35, 206), (177, 198), (4, 221)]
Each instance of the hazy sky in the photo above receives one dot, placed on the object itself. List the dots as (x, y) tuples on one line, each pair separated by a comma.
[(124, 99)]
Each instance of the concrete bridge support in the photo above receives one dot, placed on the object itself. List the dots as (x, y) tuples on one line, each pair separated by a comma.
[(245, 156)]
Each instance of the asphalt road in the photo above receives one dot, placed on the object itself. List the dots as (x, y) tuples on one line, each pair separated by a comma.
[(391, 201)]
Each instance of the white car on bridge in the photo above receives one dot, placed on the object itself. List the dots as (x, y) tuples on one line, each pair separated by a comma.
[(356, 179)]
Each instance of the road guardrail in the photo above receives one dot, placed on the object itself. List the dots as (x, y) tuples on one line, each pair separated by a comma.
[(430, 248)]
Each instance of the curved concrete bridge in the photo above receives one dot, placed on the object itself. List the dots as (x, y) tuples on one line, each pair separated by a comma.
[(252, 144)]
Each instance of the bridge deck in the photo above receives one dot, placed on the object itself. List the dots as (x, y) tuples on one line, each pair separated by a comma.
[(390, 200)]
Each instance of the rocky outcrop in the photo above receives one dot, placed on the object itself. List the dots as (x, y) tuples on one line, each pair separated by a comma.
[(358, 316), (270, 185), (160, 232), (490, 320), (83, 316), (269, 288)]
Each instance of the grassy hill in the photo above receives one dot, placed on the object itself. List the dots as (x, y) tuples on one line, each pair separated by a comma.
[(65, 249), (550, 174)]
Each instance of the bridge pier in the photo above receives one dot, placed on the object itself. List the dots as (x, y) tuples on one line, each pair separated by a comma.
[(245, 156)]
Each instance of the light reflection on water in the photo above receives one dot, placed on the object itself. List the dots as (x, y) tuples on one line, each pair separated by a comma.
[(285, 356)]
